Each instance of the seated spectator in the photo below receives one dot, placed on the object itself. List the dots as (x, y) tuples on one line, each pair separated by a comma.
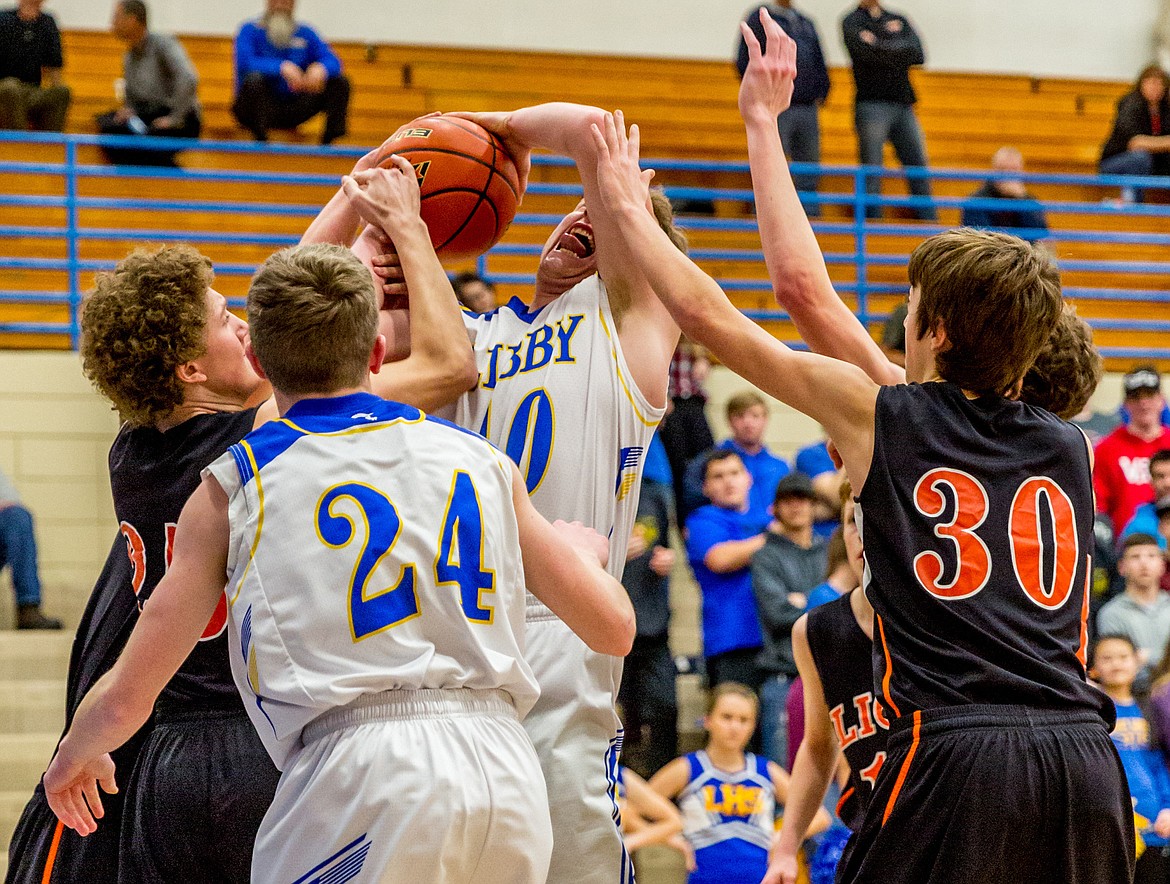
[(647, 694), (1145, 517), (285, 74), (893, 342), (721, 540), (1121, 473), (1142, 612), (1020, 214), (160, 84), (747, 415), (18, 549), (32, 95), (784, 571), (1140, 141), (474, 292), (1114, 667)]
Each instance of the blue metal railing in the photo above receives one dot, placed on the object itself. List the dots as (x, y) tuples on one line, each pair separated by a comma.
[(871, 254)]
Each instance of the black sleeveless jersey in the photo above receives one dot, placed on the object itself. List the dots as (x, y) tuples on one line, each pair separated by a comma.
[(843, 655), (151, 475), (977, 521)]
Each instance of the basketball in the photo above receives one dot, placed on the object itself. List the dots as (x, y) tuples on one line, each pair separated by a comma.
[(468, 182)]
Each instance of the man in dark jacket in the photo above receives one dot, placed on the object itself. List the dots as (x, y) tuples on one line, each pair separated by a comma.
[(883, 47), (800, 128), (31, 92), (791, 562), (1018, 211)]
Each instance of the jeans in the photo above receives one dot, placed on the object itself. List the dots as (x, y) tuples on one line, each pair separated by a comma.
[(18, 548), (774, 717), (260, 107), (1131, 162), (882, 121), (800, 133)]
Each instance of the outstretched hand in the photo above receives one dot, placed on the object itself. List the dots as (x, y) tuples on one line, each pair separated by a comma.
[(500, 125), (766, 89), (72, 790), (622, 182), (388, 198)]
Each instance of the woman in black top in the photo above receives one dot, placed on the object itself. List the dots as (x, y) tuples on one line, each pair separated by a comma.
[(1139, 143)]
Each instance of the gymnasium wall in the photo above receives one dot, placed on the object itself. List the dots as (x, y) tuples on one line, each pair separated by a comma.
[(1044, 37)]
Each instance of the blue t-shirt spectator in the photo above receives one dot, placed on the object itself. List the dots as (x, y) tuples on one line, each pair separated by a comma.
[(1144, 521), (813, 460), (657, 466), (254, 52), (822, 594), (1149, 782), (766, 470), (729, 608)]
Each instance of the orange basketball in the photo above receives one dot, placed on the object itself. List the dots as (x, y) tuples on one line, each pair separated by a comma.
[(469, 184)]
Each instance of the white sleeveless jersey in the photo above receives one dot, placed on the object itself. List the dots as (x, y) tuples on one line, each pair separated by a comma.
[(556, 395), (372, 549)]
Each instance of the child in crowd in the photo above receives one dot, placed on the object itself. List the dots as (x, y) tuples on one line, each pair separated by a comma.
[(1114, 667), (728, 797)]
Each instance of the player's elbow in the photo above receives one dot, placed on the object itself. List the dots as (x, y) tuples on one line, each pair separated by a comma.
[(616, 637), (464, 374), (794, 287)]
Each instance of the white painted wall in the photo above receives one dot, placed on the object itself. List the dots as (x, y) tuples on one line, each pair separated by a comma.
[(1072, 38)]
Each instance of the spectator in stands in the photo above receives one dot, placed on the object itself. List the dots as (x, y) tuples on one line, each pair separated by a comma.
[(1145, 517), (721, 540), (1018, 213), (160, 84), (1142, 612), (32, 95), (1115, 666), (816, 463), (285, 74), (893, 342), (883, 47), (474, 292), (647, 694), (784, 570), (839, 576), (1121, 475), (1140, 141), (800, 128), (685, 431), (18, 549), (747, 415)]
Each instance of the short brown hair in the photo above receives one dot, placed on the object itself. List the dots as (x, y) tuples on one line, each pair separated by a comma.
[(997, 298), (1068, 369), (731, 689), (313, 317), (140, 323), (838, 555), (741, 402)]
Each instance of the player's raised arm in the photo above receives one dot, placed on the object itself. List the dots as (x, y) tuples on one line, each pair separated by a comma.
[(440, 365), (838, 395), (338, 222), (796, 266), (816, 761), (564, 567), (647, 331), (123, 699)]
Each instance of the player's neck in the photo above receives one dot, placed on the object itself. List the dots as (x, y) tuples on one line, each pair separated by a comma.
[(842, 579), (1122, 694), (285, 401), (208, 403), (726, 758), (863, 612)]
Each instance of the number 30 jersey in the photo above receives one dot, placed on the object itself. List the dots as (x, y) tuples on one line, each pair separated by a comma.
[(977, 521), (372, 549), (556, 395)]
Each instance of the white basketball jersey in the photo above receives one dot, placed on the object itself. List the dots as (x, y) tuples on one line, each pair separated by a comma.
[(556, 395), (372, 549)]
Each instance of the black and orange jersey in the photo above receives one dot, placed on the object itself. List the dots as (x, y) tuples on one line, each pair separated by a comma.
[(152, 474), (977, 521), (842, 653)]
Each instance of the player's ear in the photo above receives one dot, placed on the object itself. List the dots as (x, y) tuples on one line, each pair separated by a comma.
[(938, 337), (190, 373), (253, 361), (377, 354)]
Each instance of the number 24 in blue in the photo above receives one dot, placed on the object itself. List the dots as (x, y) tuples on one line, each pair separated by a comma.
[(459, 559)]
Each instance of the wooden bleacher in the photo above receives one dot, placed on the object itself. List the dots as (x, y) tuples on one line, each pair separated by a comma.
[(686, 108)]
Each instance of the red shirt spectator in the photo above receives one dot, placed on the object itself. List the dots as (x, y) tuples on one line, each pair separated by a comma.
[(1121, 477)]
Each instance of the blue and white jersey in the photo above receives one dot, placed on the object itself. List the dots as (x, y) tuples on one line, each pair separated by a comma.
[(372, 549), (556, 395), (729, 819)]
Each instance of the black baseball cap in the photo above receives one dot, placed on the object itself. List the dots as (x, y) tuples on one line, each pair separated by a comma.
[(1140, 379), (795, 484)]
